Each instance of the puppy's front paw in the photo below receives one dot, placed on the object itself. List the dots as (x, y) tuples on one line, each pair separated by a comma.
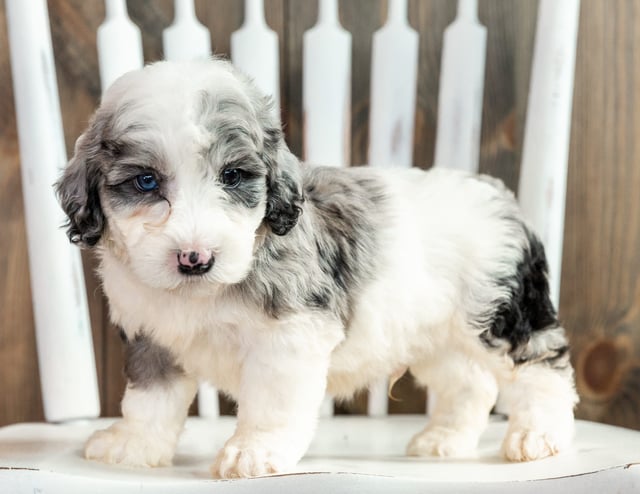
[(248, 458), (131, 446), (528, 445), (442, 441)]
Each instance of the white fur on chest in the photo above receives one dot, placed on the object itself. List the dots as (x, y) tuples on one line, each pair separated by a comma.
[(211, 336), (205, 336)]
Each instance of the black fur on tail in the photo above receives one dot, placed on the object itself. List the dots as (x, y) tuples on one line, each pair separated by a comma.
[(527, 320)]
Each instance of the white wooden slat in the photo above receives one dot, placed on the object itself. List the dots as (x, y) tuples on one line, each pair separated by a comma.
[(326, 92), (119, 43), (461, 90), (254, 50), (543, 174), (460, 97), (63, 331), (186, 38), (347, 455), (208, 402), (326, 407), (378, 399), (394, 73), (326, 89)]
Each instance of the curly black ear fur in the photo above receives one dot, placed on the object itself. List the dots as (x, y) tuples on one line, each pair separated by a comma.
[(285, 198), (77, 190), (284, 181)]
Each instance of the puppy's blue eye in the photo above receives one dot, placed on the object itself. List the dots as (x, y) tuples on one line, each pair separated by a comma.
[(231, 177), (146, 182)]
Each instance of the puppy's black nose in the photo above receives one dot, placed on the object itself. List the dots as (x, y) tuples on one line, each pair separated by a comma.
[(194, 262)]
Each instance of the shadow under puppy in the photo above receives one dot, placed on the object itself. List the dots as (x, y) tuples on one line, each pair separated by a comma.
[(224, 259)]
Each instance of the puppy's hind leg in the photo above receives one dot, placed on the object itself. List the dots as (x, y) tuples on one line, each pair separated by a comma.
[(465, 393), (539, 398)]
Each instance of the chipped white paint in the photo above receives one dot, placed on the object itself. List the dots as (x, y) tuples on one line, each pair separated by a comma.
[(119, 43), (186, 38), (543, 174), (326, 89), (254, 50), (63, 330), (461, 90), (348, 454), (394, 74)]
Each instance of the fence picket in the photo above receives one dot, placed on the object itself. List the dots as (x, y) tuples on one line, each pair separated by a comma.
[(119, 43), (186, 38), (326, 89)]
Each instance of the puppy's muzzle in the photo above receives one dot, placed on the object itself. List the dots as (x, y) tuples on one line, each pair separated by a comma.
[(194, 262)]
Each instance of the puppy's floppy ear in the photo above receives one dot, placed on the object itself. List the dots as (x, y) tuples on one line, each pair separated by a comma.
[(284, 182), (78, 188), (285, 198)]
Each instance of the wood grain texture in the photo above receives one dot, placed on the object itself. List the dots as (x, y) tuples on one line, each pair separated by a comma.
[(430, 20), (299, 16), (600, 298), (19, 380), (73, 28), (510, 35), (600, 293)]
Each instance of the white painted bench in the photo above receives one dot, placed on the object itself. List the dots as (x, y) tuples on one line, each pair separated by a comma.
[(363, 454)]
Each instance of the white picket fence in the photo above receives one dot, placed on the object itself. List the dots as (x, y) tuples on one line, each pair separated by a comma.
[(65, 351)]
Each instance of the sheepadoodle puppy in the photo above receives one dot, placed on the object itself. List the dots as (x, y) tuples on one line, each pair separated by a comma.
[(225, 259)]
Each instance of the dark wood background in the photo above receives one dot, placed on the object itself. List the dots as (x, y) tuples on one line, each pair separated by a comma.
[(600, 299)]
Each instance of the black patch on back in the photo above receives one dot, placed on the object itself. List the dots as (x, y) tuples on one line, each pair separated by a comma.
[(350, 210), (347, 238), (529, 308), (148, 363)]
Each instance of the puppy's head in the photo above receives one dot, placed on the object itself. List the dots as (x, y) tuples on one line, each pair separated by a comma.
[(180, 167)]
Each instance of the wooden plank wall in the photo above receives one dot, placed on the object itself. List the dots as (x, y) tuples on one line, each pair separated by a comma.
[(600, 301)]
